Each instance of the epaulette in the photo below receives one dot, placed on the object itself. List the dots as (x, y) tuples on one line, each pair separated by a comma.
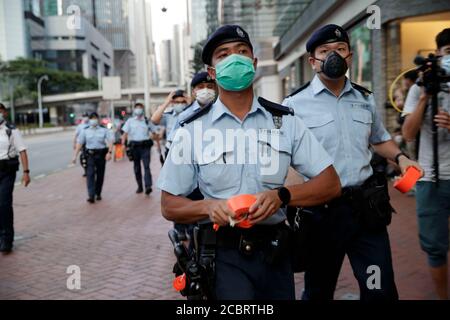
[(303, 87), (197, 114), (274, 108), (10, 126), (277, 111), (364, 91)]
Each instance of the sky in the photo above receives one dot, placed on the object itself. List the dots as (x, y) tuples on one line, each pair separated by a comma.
[(163, 22)]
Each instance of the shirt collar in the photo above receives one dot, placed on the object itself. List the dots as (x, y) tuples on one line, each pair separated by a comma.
[(318, 86), (219, 109)]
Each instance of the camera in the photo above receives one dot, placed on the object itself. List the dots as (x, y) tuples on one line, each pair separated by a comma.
[(435, 77)]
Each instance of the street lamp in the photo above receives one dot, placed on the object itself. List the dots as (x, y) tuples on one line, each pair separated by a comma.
[(41, 116)]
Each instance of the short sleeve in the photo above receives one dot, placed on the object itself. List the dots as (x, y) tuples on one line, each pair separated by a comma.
[(19, 144), (126, 126), (378, 133), (179, 174), (412, 99), (309, 158), (82, 137)]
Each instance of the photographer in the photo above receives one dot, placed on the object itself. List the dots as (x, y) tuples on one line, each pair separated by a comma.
[(432, 195)]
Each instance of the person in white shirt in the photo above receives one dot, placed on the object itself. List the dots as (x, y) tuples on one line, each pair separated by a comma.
[(11, 148)]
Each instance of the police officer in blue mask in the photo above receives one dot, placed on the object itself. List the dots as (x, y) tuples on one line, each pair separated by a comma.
[(98, 142), (249, 263), (138, 130), (81, 126), (167, 114), (342, 115)]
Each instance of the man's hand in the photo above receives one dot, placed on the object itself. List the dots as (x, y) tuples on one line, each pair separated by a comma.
[(220, 212), (26, 179), (267, 203), (404, 163), (169, 98), (108, 156), (442, 119), (74, 160)]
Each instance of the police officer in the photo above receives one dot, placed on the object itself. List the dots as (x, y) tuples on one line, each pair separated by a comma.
[(167, 114), (244, 265), (343, 117), (11, 147), (137, 131), (204, 91), (98, 143), (81, 126)]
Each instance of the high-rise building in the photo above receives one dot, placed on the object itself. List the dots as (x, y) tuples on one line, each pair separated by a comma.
[(111, 18), (139, 21), (19, 22), (82, 49), (204, 18), (165, 62)]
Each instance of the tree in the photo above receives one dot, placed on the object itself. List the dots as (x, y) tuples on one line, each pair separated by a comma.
[(30, 70), (197, 63)]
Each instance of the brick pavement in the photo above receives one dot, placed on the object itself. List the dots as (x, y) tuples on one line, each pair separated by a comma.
[(122, 248)]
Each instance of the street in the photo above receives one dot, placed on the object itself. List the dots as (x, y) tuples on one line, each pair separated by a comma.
[(121, 246), (48, 153)]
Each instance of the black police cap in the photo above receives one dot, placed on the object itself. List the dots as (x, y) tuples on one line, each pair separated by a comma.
[(93, 115), (327, 34), (224, 34), (201, 77), (178, 93)]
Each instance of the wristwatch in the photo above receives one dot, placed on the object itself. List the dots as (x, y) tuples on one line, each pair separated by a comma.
[(26, 171), (398, 156), (285, 196)]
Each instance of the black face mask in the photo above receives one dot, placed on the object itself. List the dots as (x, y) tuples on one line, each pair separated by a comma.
[(334, 66)]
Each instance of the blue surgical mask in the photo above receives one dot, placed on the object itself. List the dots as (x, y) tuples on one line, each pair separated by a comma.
[(445, 64), (2, 117), (178, 107), (138, 112), (93, 122)]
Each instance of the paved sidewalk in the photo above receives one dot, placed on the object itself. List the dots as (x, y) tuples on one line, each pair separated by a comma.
[(122, 248)]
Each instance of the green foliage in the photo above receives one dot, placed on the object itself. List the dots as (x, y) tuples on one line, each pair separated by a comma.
[(26, 72), (197, 63)]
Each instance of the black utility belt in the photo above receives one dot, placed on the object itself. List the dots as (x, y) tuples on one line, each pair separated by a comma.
[(370, 202), (9, 165), (273, 240), (94, 152), (146, 143)]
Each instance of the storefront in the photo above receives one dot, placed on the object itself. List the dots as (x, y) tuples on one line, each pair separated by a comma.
[(407, 29)]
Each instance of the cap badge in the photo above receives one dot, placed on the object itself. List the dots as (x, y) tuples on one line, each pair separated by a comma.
[(240, 32), (338, 33)]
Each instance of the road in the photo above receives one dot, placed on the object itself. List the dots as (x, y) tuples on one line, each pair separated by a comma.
[(48, 153)]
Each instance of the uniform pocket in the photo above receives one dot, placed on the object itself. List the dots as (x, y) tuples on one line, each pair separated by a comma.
[(362, 125), (219, 172), (274, 159), (324, 129)]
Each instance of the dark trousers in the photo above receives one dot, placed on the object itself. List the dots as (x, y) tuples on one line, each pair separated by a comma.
[(95, 171), (240, 277), (337, 233), (7, 180), (142, 154)]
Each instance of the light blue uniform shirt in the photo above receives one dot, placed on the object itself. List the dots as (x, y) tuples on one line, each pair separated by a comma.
[(345, 126), (96, 137), (217, 169), (169, 120), (80, 127), (183, 115), (138, 129)]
